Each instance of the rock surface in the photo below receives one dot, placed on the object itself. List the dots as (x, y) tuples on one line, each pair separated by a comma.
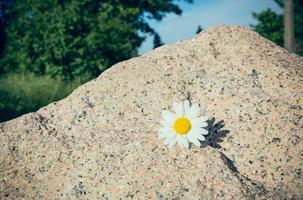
[(101, 142)]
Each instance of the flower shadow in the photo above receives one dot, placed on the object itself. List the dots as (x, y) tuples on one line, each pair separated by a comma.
[(216, 133)]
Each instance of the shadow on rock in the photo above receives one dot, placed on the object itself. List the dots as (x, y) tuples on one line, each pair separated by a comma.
[(216, 133)]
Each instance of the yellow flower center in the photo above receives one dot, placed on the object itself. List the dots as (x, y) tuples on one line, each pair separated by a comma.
[(182, 126)]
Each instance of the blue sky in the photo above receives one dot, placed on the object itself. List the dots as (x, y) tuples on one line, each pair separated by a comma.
[(206, 13)]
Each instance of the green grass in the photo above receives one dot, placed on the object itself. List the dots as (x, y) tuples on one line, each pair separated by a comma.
[(20, 93)]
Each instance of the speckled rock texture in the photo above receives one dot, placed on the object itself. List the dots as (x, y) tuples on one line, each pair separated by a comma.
[(101, 141)]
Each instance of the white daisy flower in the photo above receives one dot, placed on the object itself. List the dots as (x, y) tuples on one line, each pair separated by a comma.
[(183, 126)]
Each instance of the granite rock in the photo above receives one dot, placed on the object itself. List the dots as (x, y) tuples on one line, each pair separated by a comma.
[(101, 141)]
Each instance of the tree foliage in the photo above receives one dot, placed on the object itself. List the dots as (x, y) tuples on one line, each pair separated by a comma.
[(71, 38), (157, 41), (4, 4), (199, 29), (271, 26)]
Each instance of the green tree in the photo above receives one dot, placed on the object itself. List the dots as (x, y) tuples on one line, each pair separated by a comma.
[(199, 29), (271, 26), (4, 4), (72, 38), (157, 41)]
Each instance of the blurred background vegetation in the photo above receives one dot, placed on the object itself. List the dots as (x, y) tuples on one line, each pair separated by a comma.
[(271, 25), (50, 47)]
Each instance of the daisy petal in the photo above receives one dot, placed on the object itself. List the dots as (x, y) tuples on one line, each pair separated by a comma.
[(185, 142), (193, 140), (199, 121), (163, 135), (193, 111), (205, 118), (164, 129), (179, 110), (169, 139), (203, 131), (172, 142), (186, 107), (198, 130), (204, 124), (165, 123), (165, 132), (180, 140), (198, 135), (168, 117), (201, 137)]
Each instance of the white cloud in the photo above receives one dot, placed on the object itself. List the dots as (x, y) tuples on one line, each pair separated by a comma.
[(230, 12)]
